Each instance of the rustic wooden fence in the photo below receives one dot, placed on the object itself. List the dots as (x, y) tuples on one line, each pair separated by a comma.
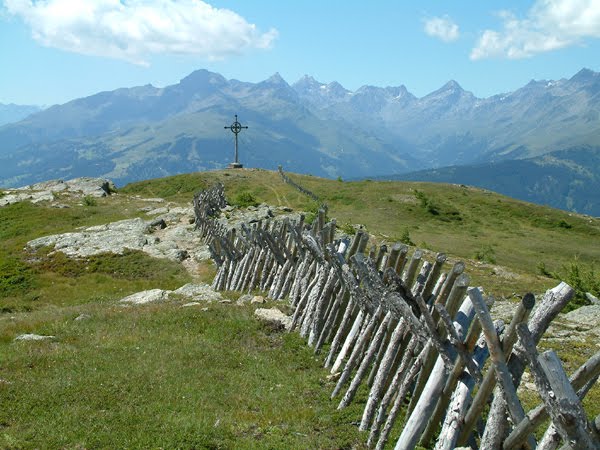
[(415, 336)]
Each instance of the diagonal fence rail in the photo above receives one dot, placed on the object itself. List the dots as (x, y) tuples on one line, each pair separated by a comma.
[(417, 337)]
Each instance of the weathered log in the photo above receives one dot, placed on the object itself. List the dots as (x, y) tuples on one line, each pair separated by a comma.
[(302, 303), (433, 276), (357, 351), (380, 254), (377, 389), (404, 387), (322, 302), (339, 303), (497, 355), (382, 349), (427, 400), (348, 342), (401, 262), (392, 389), (421, 278), (455, 294), (458, 401), (367, 360), (562, 403), (312, 302), (586, 374), (552, 303), (465, 350), (340, 334), (393, 256), (409, 274), (489, 382)]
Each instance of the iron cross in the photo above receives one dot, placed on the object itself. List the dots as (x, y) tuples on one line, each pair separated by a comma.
[(235, 128)]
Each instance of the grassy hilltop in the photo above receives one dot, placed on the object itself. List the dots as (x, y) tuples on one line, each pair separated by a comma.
[(162, 376), (485, 229)]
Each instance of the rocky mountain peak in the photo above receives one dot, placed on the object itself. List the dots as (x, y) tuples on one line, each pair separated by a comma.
[(276, 79), (585, 75), (203, 77)]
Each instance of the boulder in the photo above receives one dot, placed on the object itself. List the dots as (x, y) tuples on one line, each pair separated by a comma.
[(199, 292), (274, 317), (258, 299), (246, 298), (586, 317), (150, 296)]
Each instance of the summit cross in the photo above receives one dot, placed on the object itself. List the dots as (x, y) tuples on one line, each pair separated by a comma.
[(235, 128)]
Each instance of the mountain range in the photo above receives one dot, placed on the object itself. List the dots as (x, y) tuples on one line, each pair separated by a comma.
[(310, 127), (13, 113)]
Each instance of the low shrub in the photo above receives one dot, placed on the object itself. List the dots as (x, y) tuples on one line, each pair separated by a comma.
[(244, 199)]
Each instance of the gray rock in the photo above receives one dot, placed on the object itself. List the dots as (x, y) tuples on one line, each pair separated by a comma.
[(246, 298), (81, 317), (587, 317), (157, 211), (199, 292), (187, 305), (94, 187), (258, 299), (33, 197), (274, 316), (42, 192), (593, 299), (33, 337), (177, 242), (150, 296)]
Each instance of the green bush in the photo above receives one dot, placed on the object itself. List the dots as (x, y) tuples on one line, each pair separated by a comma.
[(90, 201), (486, 254), (405, 237), (244, 199), (348, 229), (581, 278)]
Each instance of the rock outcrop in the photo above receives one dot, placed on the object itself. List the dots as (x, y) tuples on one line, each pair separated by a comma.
[(41, 192), (168, 236)]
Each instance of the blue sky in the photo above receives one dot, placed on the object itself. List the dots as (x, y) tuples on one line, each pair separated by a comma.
[(52, 51)]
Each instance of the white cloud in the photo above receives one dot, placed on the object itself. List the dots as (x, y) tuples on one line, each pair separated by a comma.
[(549, 25), (442, 27), (133, 30)]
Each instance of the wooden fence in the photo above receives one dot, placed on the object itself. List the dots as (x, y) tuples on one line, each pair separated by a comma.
[(416, 336)]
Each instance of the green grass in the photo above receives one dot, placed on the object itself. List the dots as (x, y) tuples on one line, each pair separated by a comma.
[(163, 376)]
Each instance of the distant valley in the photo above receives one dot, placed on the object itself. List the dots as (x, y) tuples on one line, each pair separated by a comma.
[(323, 129)]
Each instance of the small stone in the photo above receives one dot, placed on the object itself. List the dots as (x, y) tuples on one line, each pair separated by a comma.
[(158, 223), (82, 317), (274, 316), (258, 299), (150, 296), (157, 211), (198, 292), (592, 298), (225, 301), (191, 304), (33, 337), (246, 298)]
